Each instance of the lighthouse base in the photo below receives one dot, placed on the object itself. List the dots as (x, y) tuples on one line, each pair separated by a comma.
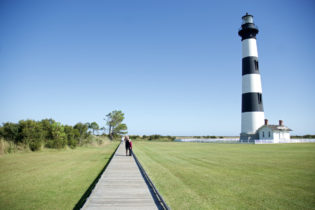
[(245, 137)]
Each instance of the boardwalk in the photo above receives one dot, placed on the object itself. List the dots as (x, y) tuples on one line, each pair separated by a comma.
[(121, 186)]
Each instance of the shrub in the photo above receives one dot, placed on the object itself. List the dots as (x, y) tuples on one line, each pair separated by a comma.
[(83, 129), (31, 134), (154, 137), (10, 131), (72, 143), (72, 136), (35, 145), (47, 128), (59, 136), (6, 146)]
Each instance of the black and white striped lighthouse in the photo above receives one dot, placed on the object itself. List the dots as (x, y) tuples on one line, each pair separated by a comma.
[(252, 105)]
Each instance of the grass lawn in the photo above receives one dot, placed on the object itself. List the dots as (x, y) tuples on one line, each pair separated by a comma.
[(231, 176), (50, 179)]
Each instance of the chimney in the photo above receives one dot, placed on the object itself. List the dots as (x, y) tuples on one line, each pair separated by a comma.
[(280, 122), (266, 121)]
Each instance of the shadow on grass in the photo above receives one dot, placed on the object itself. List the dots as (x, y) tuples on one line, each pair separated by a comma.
[(87, 193), (158, 199)]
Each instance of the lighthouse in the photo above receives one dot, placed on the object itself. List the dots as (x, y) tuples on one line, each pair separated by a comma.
[(252, 104)]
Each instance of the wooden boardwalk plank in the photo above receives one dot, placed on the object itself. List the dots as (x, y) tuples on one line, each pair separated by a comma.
[(121, 186)]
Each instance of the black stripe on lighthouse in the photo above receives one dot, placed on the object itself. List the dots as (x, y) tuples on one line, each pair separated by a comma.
[(250, 65), (252, 102)]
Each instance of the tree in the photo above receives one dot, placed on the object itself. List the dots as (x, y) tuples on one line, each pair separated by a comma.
[(59, 136), (103, 129), (10, 131), (47, 128), (72, 136), (31, 133), (115, 126), (82, 131), (88, 125), (94, 126)]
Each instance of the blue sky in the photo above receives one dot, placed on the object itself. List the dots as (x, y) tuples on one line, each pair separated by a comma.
[(173, 67)]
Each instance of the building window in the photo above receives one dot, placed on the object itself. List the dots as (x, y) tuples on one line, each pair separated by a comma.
[(269, 134), (259, 98), (256, 65), (263, 134)]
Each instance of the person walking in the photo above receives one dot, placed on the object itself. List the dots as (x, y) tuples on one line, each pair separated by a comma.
[(127, 145), (130, 147)]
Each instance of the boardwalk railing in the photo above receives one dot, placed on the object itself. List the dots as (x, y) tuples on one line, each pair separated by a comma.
[(158, 196)]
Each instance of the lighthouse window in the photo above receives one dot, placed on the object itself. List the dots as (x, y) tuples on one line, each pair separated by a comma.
[(256, 65), (259, 98)]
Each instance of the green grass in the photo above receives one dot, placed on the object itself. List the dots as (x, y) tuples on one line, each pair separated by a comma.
[(231, 176), (50, 179)]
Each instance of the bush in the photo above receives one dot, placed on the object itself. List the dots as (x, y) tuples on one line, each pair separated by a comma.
[(35, 145), (308, 136), (72, 143), (7, 146), (154, 137), (10, 131), (100, 141), (83, 130), (4, 145), (30, 134), (59, 136), (72, 136)]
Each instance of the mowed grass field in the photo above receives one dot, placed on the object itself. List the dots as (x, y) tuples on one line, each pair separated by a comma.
[(50, 179), (231, 176)]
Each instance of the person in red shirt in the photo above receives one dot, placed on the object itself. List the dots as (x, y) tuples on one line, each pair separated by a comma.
[(127, 145), (130, 147)]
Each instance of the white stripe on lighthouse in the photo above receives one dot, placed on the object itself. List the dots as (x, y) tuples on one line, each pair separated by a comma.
[(256, 120), (249, 48), (251, 83)]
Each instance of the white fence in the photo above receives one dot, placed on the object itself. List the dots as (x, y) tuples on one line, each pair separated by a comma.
[(284, 141), (237, 140), (231, 140)]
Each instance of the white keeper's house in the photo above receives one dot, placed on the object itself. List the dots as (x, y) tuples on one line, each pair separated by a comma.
[(277, 133)]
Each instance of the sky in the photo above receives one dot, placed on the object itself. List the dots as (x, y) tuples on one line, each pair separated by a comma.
[(173, 67)]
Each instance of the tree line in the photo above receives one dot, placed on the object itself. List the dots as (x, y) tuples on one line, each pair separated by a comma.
[(308, 136), (154, 137), (51, 134), (47, 133)]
